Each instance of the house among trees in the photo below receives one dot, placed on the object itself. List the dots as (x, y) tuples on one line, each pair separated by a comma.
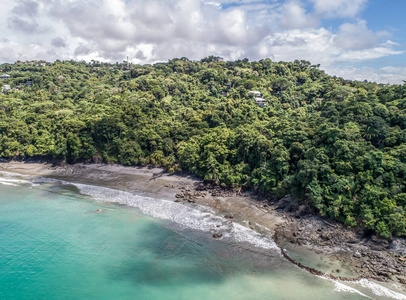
[(5, 76), (5, 88), (255, 93), (261, 102)]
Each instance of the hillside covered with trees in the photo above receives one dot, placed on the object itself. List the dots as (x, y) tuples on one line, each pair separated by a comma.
[(338, 144)]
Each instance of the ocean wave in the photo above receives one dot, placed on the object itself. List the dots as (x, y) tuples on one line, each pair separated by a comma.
[(197, 217), (9, 178), (380, 290), (8, 183), (340, 287), (375, 288), (13, 181)]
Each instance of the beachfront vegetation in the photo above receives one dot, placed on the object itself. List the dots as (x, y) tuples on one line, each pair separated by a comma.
[(339, 144)]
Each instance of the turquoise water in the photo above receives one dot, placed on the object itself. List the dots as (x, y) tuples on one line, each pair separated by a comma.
[(65, 241)]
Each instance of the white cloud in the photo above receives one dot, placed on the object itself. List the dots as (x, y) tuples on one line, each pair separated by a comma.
[(358, 36), (157, 30), (338, 8), (294, 16), (368, 54), (316, 45), (13, 51), (393, 75)]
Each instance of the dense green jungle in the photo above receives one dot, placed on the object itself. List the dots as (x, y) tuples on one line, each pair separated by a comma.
[(337, 144)]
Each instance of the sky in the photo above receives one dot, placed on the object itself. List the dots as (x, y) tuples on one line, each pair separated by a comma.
[(353, 39)]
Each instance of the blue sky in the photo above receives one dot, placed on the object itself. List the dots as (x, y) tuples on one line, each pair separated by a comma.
[(353, 39), (382, 15)]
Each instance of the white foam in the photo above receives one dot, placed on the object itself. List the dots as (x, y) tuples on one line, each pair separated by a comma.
[(375, 288), (244, 234), (8, 183), (380, 290), (197, 217), (8, 178), (13, 181), (13, 175), (340, 287)]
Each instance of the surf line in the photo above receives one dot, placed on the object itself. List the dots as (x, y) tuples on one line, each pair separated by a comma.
[(317, 272)]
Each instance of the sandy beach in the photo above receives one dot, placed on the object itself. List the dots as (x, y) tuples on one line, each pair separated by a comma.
[(315, 243), (153, 182)]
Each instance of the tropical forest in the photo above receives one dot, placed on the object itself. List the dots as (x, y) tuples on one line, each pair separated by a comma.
[(335, 144)]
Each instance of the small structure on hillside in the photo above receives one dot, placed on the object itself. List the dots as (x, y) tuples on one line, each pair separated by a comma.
[(5, 88), (255, 93), (261, 102), (5, 76)]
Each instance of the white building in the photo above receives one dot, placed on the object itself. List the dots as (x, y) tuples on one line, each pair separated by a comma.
[(261, 102), (6, 87), (256, 93), (5, 76)]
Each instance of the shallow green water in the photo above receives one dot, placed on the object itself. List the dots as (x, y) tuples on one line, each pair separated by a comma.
[(54, 244)]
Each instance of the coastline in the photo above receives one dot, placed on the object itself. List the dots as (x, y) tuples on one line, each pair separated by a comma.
[(313, 243)]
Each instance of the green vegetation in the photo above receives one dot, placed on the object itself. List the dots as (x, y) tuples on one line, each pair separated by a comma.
[(339, 144)]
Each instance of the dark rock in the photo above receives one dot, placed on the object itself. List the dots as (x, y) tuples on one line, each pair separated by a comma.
[(392, 271), (217, 235), (402, 280), (383, 273), (325, 236)]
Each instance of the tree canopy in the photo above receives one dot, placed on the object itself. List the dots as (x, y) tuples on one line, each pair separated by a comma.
[(337, 143)]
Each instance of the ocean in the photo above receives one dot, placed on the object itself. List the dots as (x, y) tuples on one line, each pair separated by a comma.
[(62, 240)]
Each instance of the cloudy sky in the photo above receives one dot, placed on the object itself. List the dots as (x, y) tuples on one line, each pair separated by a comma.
[(354, 39)]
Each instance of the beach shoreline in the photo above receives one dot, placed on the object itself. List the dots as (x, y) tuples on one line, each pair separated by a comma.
[(335, 250)]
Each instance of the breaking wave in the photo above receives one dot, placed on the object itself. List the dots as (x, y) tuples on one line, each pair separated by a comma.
[(196, 217)]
